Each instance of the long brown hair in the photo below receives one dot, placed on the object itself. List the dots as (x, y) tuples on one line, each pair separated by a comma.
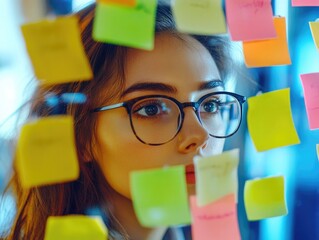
[(36, 204)]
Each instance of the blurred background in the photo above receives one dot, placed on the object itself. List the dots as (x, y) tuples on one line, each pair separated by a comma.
[(298, 163)]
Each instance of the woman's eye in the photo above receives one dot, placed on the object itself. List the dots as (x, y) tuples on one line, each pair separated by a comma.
[(149, 110), (210, 107)]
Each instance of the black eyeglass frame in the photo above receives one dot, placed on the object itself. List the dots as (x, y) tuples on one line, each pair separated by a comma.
[(195, 105)]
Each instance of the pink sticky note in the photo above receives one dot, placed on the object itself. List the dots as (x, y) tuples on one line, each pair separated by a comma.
[(310, 84), (217, 220), (250, 20), (296, 3)]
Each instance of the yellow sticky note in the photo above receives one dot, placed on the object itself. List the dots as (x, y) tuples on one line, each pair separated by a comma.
[(317, 147), (314, 27), (216, 176), (202, 17), (160, 197), (268, 52), (46, 152), (130, 3), (127, 26), (75, 227), (56, 51), (270, 122), (265, 198)]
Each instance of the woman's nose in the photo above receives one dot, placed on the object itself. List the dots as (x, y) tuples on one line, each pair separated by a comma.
[(192, 135)]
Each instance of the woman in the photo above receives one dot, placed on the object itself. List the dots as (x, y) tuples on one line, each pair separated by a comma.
[(142, 132)]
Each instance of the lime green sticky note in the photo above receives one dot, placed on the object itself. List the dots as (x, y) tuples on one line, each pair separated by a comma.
[(317, 147), (160, 196), (75, 227), (46, 152), (202, 17), (265, 198), (269, 120), (216, 176), (56, 51), (127, 26)]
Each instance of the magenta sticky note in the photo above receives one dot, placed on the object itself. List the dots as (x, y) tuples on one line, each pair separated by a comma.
[(310, 83), (250, 20), (217, 220), (299, 3)]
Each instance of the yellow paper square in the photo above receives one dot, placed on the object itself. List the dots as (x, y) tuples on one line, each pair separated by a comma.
[(75, 227), (268, 52), (216, 176), (265, 198), (56, 51), (317, 147), (46, 152), (270, 122), (202, 17), (314, 27)]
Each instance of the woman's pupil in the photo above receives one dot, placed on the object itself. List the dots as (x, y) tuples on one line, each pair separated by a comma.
[(151, 110)]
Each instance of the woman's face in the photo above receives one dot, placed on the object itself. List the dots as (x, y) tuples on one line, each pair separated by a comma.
[(177, 68)]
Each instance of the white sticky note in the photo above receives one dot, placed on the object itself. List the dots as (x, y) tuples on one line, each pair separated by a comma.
[(216, 176)]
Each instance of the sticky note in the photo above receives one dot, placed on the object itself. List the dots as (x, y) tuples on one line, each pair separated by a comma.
[(75, 227), (160, 196), (317, 147), (268, 52), (46, 152), (201, 17), (217, 219), (300, 3), (314, 27), (56, 51), (132, 27), (216, 176), (265, 198), (310, 83), (250, 20), (130, 3), (269, 120)]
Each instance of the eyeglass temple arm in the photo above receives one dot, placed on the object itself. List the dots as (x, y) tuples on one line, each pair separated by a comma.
[(105, 108)]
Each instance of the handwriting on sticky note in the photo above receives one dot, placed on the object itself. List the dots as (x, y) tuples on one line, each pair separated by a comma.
[(270, 121), (299, 3), (56, 51), (218, 219), (136, 28), (77, 227), (46, 152), (310, 83), (268, 52), (202, 17), (160, 196), (265, 198), (216, 176)]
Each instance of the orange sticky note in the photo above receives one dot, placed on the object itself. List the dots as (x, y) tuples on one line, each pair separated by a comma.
[(217, 220), (56, 51), (202, 17), (75, 227), (310, 83), (268, 52), (308, 3), (269, 120), (130, 3), (314, 27), (46, 152), (250, 20), (265, 198)]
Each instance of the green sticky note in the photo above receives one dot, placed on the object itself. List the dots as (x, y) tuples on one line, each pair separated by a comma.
[(265, 198), (56, 51), (75, 227), (160, 196), (317, 147), (46, 152), (127, 26), (202, 17), (270, 122), (216, 176)]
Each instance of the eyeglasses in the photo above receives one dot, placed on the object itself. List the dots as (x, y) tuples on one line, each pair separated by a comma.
[(157, 119)]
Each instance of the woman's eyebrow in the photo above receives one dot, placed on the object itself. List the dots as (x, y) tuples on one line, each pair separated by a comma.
[(211, 84), (150, 86)]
